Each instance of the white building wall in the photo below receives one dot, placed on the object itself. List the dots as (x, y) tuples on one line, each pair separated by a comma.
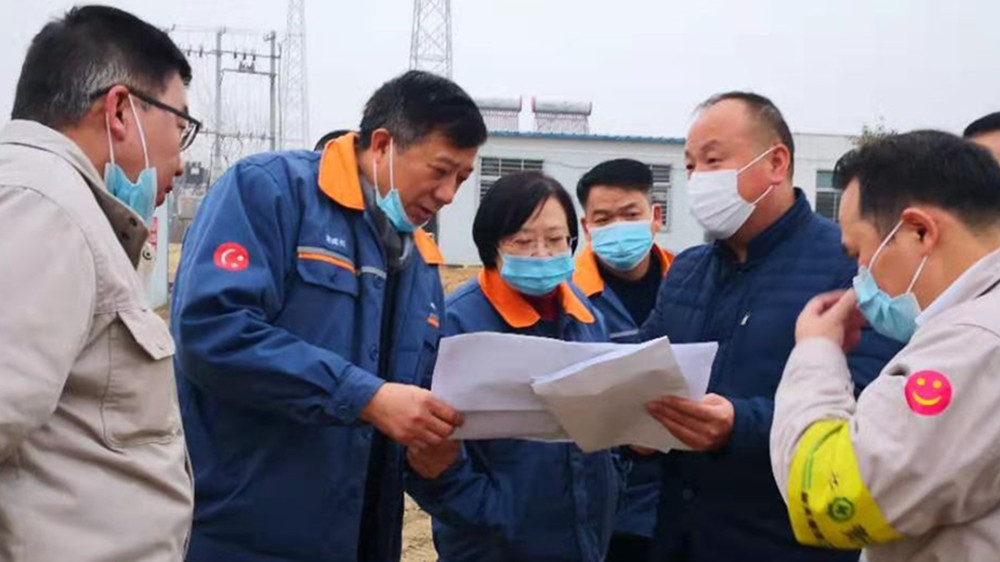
[(567, 159), (814, 153)]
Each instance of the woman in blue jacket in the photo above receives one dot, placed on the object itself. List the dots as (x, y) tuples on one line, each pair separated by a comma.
[(507, 499)]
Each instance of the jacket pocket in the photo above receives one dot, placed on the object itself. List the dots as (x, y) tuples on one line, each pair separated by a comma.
[(331, 273), (140, 402)]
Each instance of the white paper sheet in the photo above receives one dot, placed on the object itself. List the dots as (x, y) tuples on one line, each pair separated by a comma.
[(598, 390), (601, 402), (488, 377)]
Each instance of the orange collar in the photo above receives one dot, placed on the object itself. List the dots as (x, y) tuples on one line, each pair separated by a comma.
[(588, 275), (427, 248), (516, 311), (339, 180), (338, 173)]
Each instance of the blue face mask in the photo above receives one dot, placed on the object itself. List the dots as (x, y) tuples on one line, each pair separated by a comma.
[(536, 276), (622, 245), (893, 317), (391, 204), (139, 196)]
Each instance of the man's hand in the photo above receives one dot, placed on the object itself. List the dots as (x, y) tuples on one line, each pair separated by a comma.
[(411, 416), (431, 462), (834, 316), (704, 426)]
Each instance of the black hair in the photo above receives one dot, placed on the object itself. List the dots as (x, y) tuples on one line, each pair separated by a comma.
[(416, 104), (335, 134), (930, 167), (623, 173), (765, 113), (510, 203), (985, 124), (89, 49)]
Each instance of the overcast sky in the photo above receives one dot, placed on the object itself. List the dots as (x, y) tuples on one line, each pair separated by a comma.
[(831, 66)]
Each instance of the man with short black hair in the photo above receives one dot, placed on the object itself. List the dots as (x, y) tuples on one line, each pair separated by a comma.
[(307, 310), (771, 254), (907, 471), (93, 465), (620, 270), (985, 131)]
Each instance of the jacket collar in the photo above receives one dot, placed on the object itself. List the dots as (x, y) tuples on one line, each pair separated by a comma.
[(776, 234), (340, 181), (981, 278), (587, 275), (517, 311), (338, 173), (128, 227)]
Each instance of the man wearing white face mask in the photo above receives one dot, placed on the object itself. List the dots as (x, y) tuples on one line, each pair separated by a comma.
[(907, 471), (93, 464), (771, 254), (619, 270)]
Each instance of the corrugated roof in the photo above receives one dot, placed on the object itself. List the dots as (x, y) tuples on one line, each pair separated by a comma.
[(576, 136)]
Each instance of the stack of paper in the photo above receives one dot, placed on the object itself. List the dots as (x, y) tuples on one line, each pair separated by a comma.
[(511, 386)]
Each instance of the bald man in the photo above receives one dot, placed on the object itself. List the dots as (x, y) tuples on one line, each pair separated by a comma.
[(771, 253)]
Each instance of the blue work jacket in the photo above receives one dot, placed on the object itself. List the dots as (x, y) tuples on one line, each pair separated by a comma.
[(278, 318), (508, 499)]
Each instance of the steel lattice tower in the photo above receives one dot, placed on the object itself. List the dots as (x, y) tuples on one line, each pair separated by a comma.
[(430, 42), (295, 89)]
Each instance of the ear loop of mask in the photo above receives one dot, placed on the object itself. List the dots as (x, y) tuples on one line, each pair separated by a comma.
[(892, 233), (142, 134), (392, 178), (752, 162)]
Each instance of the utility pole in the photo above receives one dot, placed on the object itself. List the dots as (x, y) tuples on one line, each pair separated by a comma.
[(236, 51), (273, 75), (216, 160)]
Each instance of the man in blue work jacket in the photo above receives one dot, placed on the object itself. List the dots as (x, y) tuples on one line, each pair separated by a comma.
[(771, 254), (620, 270), (307, 308)]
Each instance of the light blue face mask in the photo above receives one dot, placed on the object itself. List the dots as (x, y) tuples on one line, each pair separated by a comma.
[(622, 245), (536, 276), (391, 204), (140, 196), (893, 317)]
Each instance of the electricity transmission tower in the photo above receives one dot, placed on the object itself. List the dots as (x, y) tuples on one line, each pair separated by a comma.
[(295, 90), (430, 41)]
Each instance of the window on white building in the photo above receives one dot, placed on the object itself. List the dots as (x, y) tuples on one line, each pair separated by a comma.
[(827, 197), (661, 192), (492, 169)]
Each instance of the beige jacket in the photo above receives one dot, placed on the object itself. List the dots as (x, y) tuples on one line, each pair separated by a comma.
[(911, 471), (93, 466)]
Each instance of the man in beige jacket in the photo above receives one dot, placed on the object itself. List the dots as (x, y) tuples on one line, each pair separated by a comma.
[(911, 470), (93, 465)]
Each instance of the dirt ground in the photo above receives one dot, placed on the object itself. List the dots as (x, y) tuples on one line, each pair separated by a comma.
[(417, 543)]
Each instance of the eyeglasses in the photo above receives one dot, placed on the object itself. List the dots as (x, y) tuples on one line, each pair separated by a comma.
[(191, 125), (526, 245)]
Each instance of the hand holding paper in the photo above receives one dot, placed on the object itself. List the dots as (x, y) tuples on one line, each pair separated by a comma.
[(510, 386), (703, 425)]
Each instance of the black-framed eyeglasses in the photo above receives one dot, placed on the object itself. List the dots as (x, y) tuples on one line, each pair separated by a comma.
[(191, 125)]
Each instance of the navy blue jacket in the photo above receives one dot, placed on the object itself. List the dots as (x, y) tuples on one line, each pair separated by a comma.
[(278, 314), (508, 499), (724, 505)]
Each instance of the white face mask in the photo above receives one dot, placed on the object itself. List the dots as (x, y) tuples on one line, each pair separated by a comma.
[(716, 202)]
